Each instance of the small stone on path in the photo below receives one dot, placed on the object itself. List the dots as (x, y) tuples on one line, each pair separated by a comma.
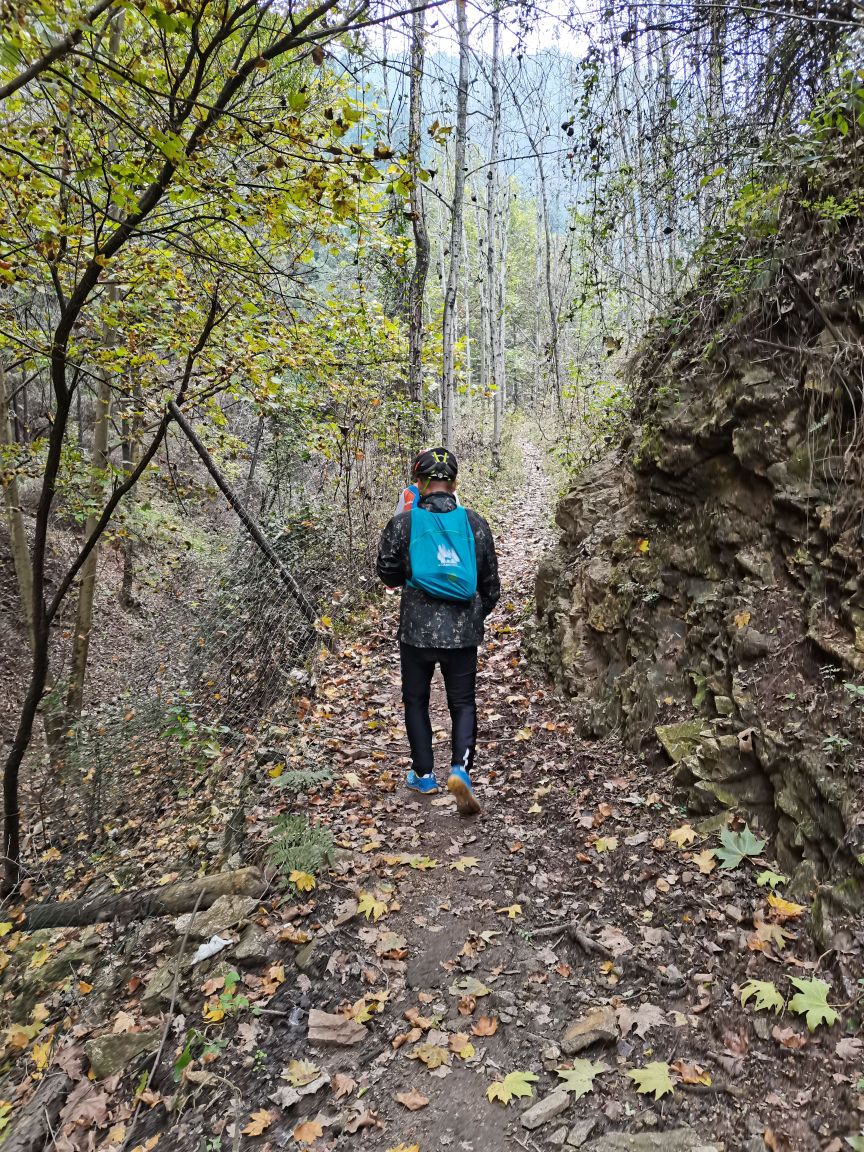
[(580, 1132), (675, 1140), (597, 1026), (545, 1109)]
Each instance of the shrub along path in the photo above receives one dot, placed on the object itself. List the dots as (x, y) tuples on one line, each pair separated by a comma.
[(566, 967)]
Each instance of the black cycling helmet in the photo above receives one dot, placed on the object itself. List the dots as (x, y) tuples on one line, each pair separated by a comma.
[(436, 464)]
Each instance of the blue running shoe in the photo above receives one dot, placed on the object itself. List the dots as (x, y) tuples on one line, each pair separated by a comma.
[(427, 784), (459, 784)]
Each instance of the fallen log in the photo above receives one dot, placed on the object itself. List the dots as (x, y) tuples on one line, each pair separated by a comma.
[(32, 1129), (170, 900)]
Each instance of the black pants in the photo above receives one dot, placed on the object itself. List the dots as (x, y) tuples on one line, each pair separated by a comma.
[(459, 669)]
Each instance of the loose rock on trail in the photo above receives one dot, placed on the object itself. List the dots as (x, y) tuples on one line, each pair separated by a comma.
[(565, 970)]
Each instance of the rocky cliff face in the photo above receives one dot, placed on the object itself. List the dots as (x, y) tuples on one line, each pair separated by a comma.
[(709, 582)]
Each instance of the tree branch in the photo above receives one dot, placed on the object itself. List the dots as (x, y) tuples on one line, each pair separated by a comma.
[(59, 50)]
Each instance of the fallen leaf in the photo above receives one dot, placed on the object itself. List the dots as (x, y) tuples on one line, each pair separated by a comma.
[(333, 1028), (682, 836), (412, 1100), (432, 1055), (705, 861), (342, 1085), (259, 1122), (765, 993), (465, 862), (742, 619), (785, 909), (516, 1084), (654, 1077), (512, 910), (485, 1026), (461, 1046), (306, 1133), (371, 906), (788, 1037), (301, 1072), (811, 1001), (646, 1017), (605, 844), (691, 1073), (579, 1080), (302, 881)]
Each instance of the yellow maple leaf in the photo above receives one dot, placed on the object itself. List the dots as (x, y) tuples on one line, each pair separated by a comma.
[(465, 862), (605, 844), (5, 928), (512, 910), (785, 909), (705, 861), (301, 1072), (213, 1011), (516, 1084), (371, 906), (41, 1054), (683, 835), (644, 546), (259, 1122), (302, 881), (742, 619), (431, 1055)]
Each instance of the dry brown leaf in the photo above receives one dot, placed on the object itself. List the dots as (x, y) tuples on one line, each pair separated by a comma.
[(467, 1005), (691, 1073), (363, 1119), (342, 1085), (485, 1026), (333, 1028), (259, 1122), (412, 1100), (788, 1037), (305, 1133)]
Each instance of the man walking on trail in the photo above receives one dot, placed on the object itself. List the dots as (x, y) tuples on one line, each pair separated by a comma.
[(443, 557)]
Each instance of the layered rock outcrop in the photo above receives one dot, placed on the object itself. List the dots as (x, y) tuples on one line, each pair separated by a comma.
[(708, 587)]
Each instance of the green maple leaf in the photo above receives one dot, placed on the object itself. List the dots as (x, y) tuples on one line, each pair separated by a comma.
[(771, 878), (737, 846), (580, 1078), (654, 1077), (766, 994), (811, 1001), (514, 1084)]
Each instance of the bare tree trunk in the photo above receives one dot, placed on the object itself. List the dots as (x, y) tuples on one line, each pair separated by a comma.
[(99, 465), (448, 334), (417, 284), (493, 264), (14, 517)]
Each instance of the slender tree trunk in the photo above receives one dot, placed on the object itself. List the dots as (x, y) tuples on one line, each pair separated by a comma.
[(493, 231), (99, 465), (14, 517), (448, 333), (417, 284)]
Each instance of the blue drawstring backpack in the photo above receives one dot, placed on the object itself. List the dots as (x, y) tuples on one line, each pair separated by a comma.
[(442, 555)]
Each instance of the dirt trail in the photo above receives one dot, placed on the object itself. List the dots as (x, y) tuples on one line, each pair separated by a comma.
[(473, 935)]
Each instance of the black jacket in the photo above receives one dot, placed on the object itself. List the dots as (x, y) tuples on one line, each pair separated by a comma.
[(425, 622)]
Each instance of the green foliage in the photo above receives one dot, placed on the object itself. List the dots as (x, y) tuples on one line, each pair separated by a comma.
[(297, 846), (766, 995), (297, 780), (738, 846), (811, 1001)]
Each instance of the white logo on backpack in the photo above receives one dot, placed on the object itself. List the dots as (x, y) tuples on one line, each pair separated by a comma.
[(448, 557)]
